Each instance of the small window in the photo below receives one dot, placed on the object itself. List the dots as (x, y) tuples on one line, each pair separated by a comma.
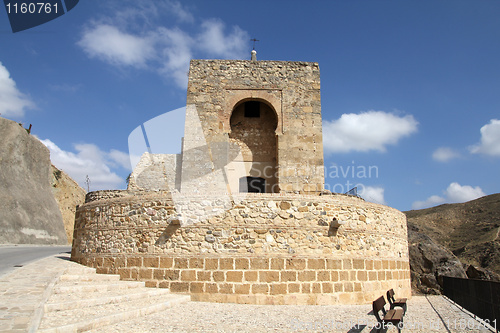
[(252, 185), (252, 109)]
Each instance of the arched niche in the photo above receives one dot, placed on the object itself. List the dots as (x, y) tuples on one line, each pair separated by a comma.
[(253, 124)]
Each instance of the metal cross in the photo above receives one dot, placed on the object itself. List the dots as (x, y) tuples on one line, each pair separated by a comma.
[(254, 40)]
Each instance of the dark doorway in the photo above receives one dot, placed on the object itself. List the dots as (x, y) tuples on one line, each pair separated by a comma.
[(252, 185)]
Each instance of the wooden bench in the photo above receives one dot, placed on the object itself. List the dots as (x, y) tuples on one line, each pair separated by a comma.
[(400, 302), (392, 316)]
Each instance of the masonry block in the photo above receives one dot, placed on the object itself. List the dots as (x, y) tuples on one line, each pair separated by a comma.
[(179, 287), (151, 262), (269, 276), (259, 263), (234, 276)]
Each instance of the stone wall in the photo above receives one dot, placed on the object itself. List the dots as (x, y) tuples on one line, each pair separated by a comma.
[(261, 248), (291, 89), (156, 172)]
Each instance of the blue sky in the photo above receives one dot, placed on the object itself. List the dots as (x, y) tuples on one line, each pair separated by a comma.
[(410, 89)]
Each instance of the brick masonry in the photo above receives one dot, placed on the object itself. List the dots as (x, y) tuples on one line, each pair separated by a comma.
[(263, 280)]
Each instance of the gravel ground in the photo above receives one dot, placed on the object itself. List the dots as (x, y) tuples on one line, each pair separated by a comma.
[(425, 314)]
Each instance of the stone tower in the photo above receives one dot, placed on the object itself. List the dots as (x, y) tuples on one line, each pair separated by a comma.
[(240, 215), (250, 126), (268, 115)]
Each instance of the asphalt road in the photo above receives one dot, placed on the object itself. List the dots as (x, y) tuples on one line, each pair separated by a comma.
[(19, 255)]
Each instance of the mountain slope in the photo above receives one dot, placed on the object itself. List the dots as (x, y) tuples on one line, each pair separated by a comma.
[(28, 211), (470, 230)]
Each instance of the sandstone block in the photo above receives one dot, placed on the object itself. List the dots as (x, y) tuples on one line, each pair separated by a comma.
[(226, 263), (134, 262), (278, 263), (211, 264), (218, 276), (294, 287), (181, 263), (327, 287), (196, 287), (234, 276), (262, 288), (166, 262), (333, 264), (295, 264), (288, 276), (358, 264), (179, 287), (145, 273), (196, 263), (242, 289), (306, 276), (278, 288), (269, 276), (188, 275), (172, 274), (316, 264), (259, 263), (323, 275), (203, 275), (241, 263), (251, 276), (151, 262)]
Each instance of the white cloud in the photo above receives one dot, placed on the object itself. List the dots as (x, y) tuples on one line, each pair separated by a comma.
[(179, 11), (490, 139), (445, 154), (454, 193), (165, 50), (90, 160), (371, 130), (116, 47), (213, 40), (431, 201), (458, 193), (373, 194), (13, 103), (175, 52)]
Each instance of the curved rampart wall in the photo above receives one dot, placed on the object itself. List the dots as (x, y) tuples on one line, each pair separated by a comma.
[(264, 249)]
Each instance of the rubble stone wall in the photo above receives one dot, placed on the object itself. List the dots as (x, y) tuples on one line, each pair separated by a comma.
[(260, 248)]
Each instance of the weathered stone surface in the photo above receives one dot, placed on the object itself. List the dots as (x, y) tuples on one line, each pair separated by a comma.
[(232, 252), (68, 195), (28, 211), (479, 273), (428, 261)]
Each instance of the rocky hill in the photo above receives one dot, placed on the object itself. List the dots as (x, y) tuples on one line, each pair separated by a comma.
[(68, 195), (466, 231), (28, 211)]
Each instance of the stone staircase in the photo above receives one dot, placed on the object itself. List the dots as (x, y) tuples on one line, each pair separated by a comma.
[(82, 300)]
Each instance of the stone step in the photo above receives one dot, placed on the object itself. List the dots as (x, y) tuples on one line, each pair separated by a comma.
[(83, 300), (90, 287), (89, 277), (73, 301), (80, 270), (84, 319)]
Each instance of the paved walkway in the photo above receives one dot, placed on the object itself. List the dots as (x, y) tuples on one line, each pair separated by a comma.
[(24, 291)]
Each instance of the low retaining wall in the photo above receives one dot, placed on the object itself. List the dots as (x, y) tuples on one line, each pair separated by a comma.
[(264, 249)]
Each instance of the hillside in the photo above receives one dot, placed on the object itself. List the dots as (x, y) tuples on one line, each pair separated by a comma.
[(68, 195), (470, 230), (28, 211)]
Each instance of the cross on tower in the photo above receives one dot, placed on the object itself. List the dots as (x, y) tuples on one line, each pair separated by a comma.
[(254, 40)]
